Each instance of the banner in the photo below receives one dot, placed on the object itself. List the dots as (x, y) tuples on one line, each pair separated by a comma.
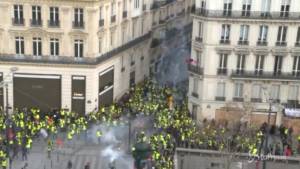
[(292, 112)]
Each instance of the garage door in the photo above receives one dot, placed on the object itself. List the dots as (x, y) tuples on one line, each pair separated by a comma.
[(106, 87), (78, 94), (42, 91), (1, 93)]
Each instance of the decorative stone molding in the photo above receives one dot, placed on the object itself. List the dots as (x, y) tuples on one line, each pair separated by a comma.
[(282, 51), (242, 50), (295, 51), (224, 50), (261, 51), (101, 32), (78, 34)]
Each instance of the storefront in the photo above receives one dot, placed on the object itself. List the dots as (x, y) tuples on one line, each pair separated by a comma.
[(106, 87), (36, 90)]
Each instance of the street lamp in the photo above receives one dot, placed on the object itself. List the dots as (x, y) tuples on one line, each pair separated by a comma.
[(270, 99)]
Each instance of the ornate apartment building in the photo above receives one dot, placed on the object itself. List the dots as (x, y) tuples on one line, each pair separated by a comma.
[(77, 54), (245, 54)]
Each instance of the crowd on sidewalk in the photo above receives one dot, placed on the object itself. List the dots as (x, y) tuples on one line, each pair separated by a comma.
[(173, 125)]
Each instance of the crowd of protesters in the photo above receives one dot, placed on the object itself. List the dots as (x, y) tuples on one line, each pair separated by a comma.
[(172, 122)]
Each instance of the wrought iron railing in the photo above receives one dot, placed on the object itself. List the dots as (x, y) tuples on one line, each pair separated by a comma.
[(248, 15), (265, 75), (195, 69)]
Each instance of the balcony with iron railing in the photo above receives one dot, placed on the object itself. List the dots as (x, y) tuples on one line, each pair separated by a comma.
[(243, 42), (194, 94), (198, 39), (36, 23), (124, 14), (261, 43), (18, 21), (256, 100), (113, 19), (265, 75), (144, 7), (220, 98), (195, 69), (78, 25), (222, 71), (238, 99), (101, 22), (225, 41), (247, 14), (53, 24), (282, 43)]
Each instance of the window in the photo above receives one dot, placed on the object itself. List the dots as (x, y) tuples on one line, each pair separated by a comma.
[(275, 92), (246, 8), (227, 7), (259, 64), (293, 92), (19, 45), (123, 35), (132, 61), (18, 14), (54, 16), (256, 92), (223, 61), (278, 65), (142, 26), (101, 13), (100, 45), (136, 3), (195, 85), (198, 58), (113, 9), (240, 63), (78, 48), (285, 8), (122, 61), (298, 37), (225, 33), (112, 38), (203, 5), (281, 36), (194, 111), (200, 29), (54, 47), (221, 89), (124, 5), (265, 7), (244, 33), (263, 33), (78, 16), (37, 46), (296, 66), (101, 17), (133, 28), (36, 15), (238, 91)]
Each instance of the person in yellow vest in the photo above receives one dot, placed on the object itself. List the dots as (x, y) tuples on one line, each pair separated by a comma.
[(49, 148), (98, 135)]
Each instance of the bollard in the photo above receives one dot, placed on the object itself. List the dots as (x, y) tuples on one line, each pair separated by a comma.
[(51, 164)]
